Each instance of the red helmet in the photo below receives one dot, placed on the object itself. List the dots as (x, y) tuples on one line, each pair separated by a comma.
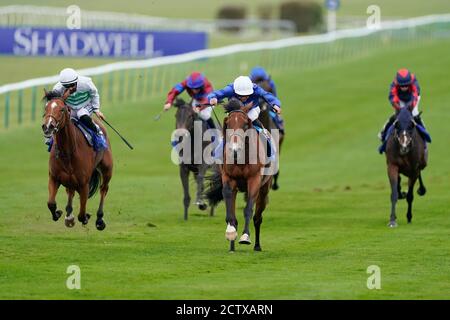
[(195, 80), (404, 78)]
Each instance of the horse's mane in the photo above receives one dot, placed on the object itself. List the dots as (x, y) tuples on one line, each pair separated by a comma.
[(233, 105), (179, 103), (50, 95)]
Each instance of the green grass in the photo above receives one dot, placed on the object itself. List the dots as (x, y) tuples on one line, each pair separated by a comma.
[(321, 231)]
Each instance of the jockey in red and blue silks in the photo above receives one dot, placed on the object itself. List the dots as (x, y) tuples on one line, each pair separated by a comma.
[(259, 76), (198, 87), (248, 93), (404, 93)]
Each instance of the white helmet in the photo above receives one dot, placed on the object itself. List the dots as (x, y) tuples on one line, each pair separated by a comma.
[(243, 86), (68, 76)]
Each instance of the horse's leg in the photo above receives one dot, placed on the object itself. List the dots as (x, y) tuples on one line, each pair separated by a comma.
[(70, 219), (401, 195), (253, 186), (229, 192), (261, 203), (106, 169), (410, 197), (393, 179), (200, 178), (83, 217), (51, 203), (184, 175), (422, 190), (275, 185)]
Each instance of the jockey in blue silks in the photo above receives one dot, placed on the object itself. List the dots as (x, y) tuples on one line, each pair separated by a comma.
[(248, 93), (259, 76)]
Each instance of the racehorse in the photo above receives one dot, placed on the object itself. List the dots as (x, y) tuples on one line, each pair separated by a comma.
[(244, 176), (407, 154), (268, 122), (73, 162), (185, 119)]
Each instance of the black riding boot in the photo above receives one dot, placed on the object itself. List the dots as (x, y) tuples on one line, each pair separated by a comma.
[(419, 121), (211, 123), (266, 136), (87, 121), (386, 127)]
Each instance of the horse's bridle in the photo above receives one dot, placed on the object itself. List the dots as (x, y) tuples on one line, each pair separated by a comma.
[(51, 116), (404, 149)]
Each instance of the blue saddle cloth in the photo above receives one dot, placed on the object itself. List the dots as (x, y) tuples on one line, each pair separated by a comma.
[(422, 131), (98, 142)]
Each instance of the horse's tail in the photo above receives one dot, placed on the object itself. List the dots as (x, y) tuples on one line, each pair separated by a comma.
[(213, 191), (96, 178)]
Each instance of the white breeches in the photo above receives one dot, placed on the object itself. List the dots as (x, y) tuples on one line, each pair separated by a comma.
[(86, 111), (415, 111), (253, 114), (204, 114)]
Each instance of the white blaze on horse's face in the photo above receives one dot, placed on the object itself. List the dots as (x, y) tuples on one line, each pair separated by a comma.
[(404, 141)]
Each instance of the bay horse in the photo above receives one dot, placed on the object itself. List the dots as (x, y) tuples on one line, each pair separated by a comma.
[(407, 154), (268, 122), (244, 176), (73, 163), (185, 119)]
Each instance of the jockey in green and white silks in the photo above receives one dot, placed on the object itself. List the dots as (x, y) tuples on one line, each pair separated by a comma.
[(84, 99)]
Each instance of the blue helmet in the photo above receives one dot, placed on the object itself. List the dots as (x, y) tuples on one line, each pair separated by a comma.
[(404, 78), (195, 80), (258, 73)]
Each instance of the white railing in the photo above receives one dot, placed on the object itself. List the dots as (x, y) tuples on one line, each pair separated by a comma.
[(232, 49), (141, 79), (55, 16)]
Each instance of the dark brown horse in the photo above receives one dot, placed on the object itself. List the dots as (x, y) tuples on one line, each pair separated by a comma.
[(73, 163), (240, 173), (269, 124), (185, 120), (406, 154)]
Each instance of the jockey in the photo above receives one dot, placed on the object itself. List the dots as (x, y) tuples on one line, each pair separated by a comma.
[(83, 100), (198, 87), (404, 92), (248, 93), (259, 76)]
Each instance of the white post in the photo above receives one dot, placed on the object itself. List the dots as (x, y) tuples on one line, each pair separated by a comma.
[(331, 22)]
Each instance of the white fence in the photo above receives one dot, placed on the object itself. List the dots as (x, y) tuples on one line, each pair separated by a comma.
[(20, 15), (132, 80)]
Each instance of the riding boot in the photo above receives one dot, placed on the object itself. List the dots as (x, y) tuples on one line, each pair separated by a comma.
[(264, 132), (387, 125), (419, 121), (87, 121), (211, 123)]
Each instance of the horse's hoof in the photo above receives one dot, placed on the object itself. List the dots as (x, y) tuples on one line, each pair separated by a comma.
[(202, 206), (57, 215), (402, 195), (421, 191), (100, 225), (257, 248), (69, 221), (85, 220), (245, 239), (393, 224), (231, 233), (275, 187)]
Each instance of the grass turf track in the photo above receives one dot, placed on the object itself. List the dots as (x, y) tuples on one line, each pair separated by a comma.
[(321, 231)]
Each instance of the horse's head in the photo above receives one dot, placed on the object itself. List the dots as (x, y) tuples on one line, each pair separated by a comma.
[(235, 125), (404, 127), (56, 112), (185, 115)]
